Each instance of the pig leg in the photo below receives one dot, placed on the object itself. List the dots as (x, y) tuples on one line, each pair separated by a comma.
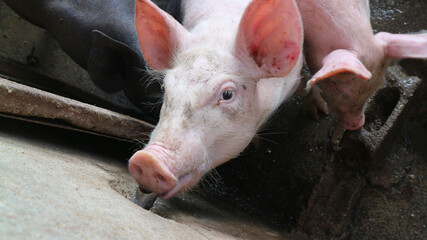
[(312, 98), (315, 102), (404, 45)]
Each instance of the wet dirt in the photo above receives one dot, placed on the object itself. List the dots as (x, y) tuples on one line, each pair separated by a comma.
[(398, 16), (394, 204)]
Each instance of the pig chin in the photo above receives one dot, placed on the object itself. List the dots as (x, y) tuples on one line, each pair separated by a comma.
[(352, 122), (154, 168)]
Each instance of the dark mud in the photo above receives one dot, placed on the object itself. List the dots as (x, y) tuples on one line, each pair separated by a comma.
[(394, 204), (398, 16)]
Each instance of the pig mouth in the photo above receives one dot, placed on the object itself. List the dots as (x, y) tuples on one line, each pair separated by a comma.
[(184, 183)]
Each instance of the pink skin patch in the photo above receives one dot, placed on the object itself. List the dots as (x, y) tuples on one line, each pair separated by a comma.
[(352, 123), (289, 54)]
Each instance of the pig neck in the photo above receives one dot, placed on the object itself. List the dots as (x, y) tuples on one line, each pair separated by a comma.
[(338, 24)]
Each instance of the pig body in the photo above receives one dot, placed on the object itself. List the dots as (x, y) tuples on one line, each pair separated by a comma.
[(348, 61), (225, 73)]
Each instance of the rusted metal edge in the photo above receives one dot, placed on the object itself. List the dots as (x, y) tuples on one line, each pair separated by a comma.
[(53, 123), (27, 103)]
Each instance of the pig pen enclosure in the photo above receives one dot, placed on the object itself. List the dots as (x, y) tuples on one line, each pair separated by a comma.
[(64, 146)]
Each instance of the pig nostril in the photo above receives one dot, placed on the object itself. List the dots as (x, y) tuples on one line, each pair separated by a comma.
[(160, 178), (135, 171)]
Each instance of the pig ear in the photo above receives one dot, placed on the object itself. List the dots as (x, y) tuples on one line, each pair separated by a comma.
[(340, 61), (158, 33), (404, 45), (270, 34)]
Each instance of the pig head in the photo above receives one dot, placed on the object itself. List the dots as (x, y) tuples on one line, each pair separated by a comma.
[(225, 73), (347, 60)]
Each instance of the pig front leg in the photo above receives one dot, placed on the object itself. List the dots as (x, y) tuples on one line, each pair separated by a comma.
[(313, 99), (315, 102)]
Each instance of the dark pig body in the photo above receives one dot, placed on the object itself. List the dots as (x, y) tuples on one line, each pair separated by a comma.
[(100, 36)]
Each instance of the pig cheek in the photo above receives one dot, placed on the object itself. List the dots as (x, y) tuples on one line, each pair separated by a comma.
[(348, 104), (231, 113), (331, 94), (240, 112), (340, 96)]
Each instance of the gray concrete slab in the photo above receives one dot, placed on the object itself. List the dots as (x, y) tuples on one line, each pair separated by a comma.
[(51, 191)]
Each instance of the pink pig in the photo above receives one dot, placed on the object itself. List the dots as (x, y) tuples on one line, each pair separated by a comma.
[(226, 71), (347, 59)]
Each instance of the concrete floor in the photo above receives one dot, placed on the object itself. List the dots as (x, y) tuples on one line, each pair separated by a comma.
[(50, 190), (58, 184)]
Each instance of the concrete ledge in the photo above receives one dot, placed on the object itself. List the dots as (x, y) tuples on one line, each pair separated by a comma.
[(385, 115)]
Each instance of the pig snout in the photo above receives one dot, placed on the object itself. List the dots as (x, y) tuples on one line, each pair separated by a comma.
[(352, 122), (148, 169)]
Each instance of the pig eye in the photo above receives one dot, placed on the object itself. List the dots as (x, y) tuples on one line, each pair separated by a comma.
[(227, 94)]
